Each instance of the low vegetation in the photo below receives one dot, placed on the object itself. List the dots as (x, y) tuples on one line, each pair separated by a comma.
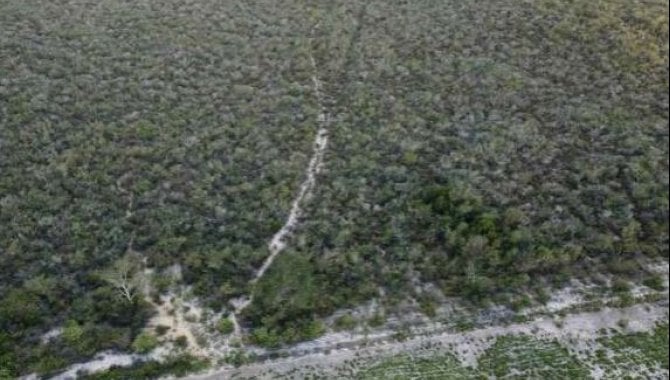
[(404, 367), (177, 366), (617, 356), (634, 354), (490, 148), (525, 357), (481, 147)]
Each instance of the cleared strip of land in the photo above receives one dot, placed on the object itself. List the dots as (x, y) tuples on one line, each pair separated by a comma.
[(575, 331)]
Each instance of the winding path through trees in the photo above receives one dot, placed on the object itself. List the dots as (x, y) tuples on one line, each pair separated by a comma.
[(278, 242)]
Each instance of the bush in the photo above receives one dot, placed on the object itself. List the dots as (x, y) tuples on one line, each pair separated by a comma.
[(265, 338), (620, 286), (428, 306), (655, 282), (237, 358), (161, 330), (377, 320), (225, 326), (345, 322), (144, 343), (181, 341), (521, 303), (72, 333)]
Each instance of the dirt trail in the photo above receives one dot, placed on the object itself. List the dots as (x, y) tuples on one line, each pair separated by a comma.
[(102, 361), (171, 316), (278, 242), (576, 331)]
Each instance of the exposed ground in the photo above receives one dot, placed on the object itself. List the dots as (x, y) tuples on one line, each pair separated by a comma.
[(549, 336), (576, 338)]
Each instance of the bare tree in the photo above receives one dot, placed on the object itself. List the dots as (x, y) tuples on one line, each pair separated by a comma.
[(125, 276)]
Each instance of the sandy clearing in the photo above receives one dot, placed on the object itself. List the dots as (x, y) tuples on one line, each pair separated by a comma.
[(170, 314), (101, 362), (573, 331), (577, 331)]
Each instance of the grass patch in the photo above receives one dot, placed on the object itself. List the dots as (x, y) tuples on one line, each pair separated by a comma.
[(178, 366), (523, 357), (632, 354), (407, 367)]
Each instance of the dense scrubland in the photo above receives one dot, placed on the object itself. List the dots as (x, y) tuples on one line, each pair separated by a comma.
[(477, 147), (493, 148)]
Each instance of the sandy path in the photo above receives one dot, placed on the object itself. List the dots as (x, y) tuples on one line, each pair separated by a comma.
[(576, 331), (278, 242)]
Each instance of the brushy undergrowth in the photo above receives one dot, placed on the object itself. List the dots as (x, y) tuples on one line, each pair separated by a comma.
[(491, 148), (639, 354)]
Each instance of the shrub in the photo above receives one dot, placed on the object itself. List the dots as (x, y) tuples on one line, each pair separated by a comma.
[(161, 330), (345, 322), (144, 342), (620, 286), (377, 320), (225, 326), (655, 282), (181, 341)]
